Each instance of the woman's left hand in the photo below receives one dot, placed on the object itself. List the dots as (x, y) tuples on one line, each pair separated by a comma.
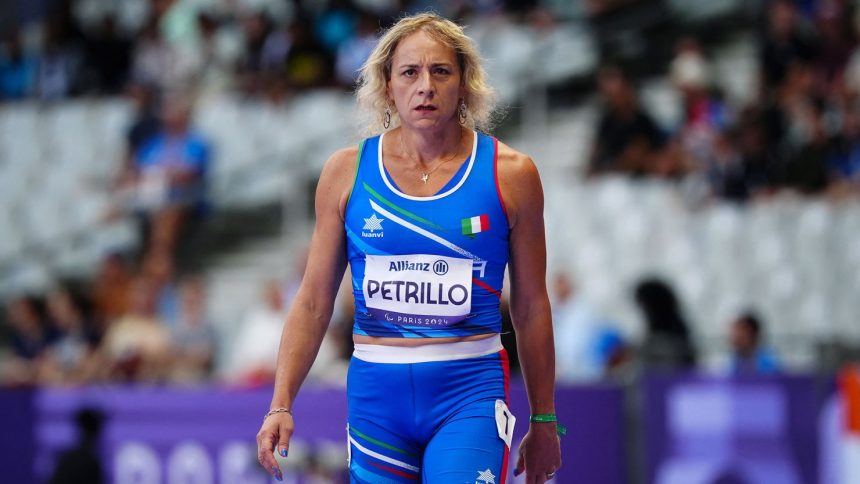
[(539, 453)]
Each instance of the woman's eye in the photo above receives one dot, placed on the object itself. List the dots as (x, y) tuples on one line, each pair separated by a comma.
[(409, 72), (442, 70)]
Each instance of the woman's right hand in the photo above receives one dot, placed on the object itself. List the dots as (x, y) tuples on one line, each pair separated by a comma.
[(276, 430)]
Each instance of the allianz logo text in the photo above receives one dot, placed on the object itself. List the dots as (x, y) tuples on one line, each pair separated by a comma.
[(440, 267)]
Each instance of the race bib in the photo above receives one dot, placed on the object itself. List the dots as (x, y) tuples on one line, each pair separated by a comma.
[(421, 289)]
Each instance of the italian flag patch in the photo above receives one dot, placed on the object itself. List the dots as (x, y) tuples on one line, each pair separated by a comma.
[(474, 225)]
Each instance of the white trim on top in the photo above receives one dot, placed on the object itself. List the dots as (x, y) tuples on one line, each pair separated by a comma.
[(457, 350), (432, 197)]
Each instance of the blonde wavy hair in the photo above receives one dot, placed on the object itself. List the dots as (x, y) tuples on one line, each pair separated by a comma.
[(480, 97)]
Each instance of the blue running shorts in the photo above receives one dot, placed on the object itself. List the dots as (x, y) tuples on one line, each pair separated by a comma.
[(430, 422)]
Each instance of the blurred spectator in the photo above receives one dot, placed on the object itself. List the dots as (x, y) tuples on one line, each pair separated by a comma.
[(749, 356), (158, 63), (725, 168), (577, 328), (30, 338), (758, 157), (616, 356), (705, 114), (59, 66), (170, 174), (667, 345), (108, 57), (265, 54), (806, 168), (352, 52), (627, 138), (308, 63), (83, 462), (31, 333), (786, 40), (844, 160), (145, 125), (851, 74), (254, 350), (70, 358), (217, 56), (193, 336), (138, 345), (17, 68), (596, 7), (177, 22), (159, 268), (834, 27), (336, 24), (111, 290), (791, 123)]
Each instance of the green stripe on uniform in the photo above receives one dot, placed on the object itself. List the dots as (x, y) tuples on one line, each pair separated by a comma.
[(400, 210), (377, 442), (355, 176)]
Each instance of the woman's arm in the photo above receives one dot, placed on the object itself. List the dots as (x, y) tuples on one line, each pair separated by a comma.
[(530, 310), (310, 312)]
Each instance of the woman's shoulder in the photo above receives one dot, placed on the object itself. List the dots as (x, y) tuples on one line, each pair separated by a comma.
[(337, 176), (513, 163), (519, 182), (341, 161)]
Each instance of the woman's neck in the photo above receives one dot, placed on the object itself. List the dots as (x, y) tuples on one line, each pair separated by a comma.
[(426, 147)]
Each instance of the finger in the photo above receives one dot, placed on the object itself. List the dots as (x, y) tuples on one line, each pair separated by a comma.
[(521, 465), (265, 456), (284, 441), (534, 475)]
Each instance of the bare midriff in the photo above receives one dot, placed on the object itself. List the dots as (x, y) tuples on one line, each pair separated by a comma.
[(378, 340)]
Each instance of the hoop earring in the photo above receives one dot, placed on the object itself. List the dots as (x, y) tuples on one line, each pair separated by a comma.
[(386, 118), (462, 111)]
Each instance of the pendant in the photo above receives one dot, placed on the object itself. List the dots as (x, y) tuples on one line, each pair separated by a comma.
[(424, 177)]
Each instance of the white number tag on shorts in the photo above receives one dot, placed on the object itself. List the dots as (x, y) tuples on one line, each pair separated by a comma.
[(348, 447), (505, 421), (419, 289)]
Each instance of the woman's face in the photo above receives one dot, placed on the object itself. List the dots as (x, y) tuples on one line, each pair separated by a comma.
[(425, 83)]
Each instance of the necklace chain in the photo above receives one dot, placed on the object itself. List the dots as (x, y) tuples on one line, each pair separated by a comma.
[(425, 175)]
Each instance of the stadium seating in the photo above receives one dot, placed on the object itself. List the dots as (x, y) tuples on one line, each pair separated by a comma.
[(793, 259)]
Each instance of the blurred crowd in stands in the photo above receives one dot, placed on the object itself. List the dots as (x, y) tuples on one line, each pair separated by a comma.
[(257, 51), (141, 319), (589, 347), (801, 133), (153, 327)]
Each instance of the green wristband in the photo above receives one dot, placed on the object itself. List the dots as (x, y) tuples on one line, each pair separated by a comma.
[(548, 418), (543, 418)]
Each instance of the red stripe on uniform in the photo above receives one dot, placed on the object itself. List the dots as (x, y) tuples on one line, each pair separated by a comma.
[(394, 471), (496, 176), (505, 466), (487, 287), (506, 369), (485, 222)]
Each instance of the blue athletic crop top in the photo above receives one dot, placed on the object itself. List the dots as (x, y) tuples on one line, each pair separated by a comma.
[(427, 267)]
